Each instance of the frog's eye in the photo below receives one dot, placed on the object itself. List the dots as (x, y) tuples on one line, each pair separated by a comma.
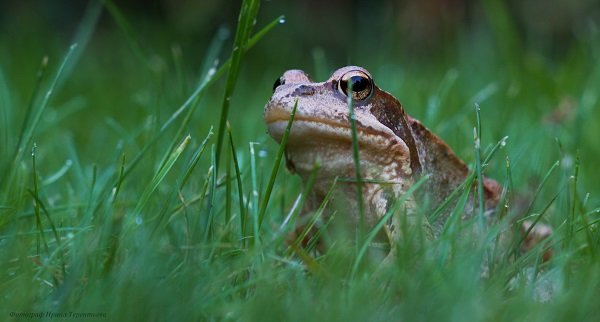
[(278, 82), (359, 83)]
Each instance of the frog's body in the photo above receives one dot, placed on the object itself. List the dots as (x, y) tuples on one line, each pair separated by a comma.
[(393, 146)]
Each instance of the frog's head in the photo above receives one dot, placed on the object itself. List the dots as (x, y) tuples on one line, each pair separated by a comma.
[(321, 131)]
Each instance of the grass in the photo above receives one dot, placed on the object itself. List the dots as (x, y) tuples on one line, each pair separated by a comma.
[(164, 212)]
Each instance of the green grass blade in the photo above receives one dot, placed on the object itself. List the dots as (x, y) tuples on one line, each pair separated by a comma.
[(452, 196), (90, 196), (195, 158), (28, 113), (212, 55), (82, 37), (240, 188), (275, 169), (356, 158), (209, 231), (255, 197), (58, 174), (84, 32), (541, 186), (33, 116), (264, 31), (36, 206), (193, 225), (28, 133), (183, 180), (57, 238), (478, 170), (318, 213), (447, 238), (516, 242), (228, 190), (574, 199), (246, 21), (119, 180), (177, 57), (436, 100), (159, 176), (506, 198)]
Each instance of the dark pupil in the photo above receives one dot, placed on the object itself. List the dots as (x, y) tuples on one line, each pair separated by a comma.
[(277, 83), (358, 83)]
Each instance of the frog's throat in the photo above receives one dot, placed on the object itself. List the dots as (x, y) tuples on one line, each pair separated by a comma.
[(312, 139), (382, 156)]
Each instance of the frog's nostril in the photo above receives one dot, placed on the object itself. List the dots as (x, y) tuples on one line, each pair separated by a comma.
[(278, 82)]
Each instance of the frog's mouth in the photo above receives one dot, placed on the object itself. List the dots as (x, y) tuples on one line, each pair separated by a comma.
[(309, 130), (329, 142)]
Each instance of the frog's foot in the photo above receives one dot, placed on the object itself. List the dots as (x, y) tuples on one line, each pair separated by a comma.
[(537, 235)]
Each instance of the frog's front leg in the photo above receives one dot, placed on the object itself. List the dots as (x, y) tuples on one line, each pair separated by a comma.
[(405, 226)]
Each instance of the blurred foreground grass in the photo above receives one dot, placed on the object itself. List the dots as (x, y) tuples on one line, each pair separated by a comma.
[(103, 211)]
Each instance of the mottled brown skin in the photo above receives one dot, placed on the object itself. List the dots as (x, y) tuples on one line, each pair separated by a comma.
[(429, 154), (394, 147)]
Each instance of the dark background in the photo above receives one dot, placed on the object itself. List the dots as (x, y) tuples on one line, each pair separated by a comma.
[(340, 28)]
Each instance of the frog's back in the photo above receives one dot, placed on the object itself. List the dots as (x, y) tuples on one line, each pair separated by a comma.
[(447, 171)]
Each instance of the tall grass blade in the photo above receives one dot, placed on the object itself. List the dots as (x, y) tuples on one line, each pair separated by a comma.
[(36, 205), (467, 183), (238, 178), (159, 176), (255, 197), (228, 191), (356, 158), (541, 186), (478, 170), (37, 115), (183, 180), (574, 200), (195, 158), (57, 238), (246, 22), (117, 188), (212, 55), (275, 169), (28, 113), (58, 174), (318, 213), (82, 37), (209, 231)]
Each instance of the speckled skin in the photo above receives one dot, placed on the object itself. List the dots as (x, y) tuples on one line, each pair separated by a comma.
[(394, 147)]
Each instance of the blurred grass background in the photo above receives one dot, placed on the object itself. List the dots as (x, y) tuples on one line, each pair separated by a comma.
[(532, 66)]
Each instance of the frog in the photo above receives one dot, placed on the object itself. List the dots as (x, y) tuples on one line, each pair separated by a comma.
[(395, 151)]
